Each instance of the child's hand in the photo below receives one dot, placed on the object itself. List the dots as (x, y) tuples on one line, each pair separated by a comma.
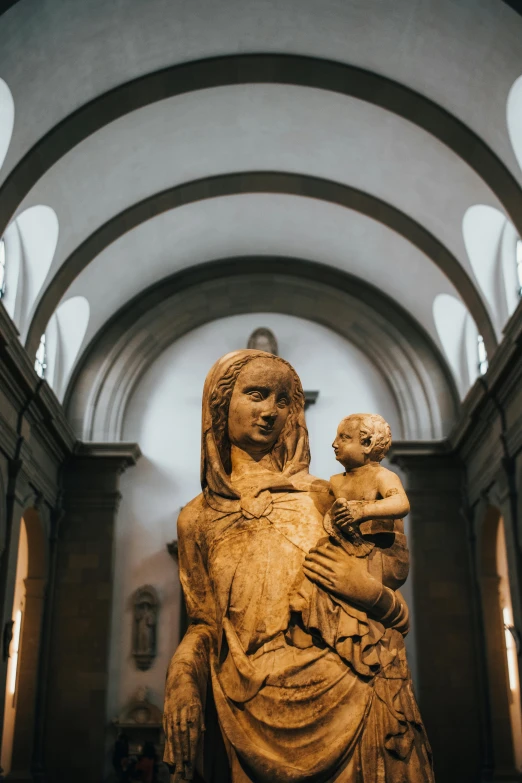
[(346, 512)]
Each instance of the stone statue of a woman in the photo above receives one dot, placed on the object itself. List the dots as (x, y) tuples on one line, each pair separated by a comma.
[(290, 707)]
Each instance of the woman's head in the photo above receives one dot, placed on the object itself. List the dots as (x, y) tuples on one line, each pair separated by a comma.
[(256, 404), (260, 405)]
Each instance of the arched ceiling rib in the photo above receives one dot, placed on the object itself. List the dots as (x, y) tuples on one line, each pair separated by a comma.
[(278, 127), (271, 224), (138, 333), (261, 182), (146, 106), (260, 127), (251, 69), (464, 56)]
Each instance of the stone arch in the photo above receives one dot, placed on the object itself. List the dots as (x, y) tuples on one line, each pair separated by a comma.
[(502, 729), (298, 70), (261, 182), (411, 365), (29, 641)]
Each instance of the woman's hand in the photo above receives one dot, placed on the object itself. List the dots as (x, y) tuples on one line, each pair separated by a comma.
[(333, 569), (183, 725)]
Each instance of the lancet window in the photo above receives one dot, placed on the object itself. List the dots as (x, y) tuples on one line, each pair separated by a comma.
[(40, 363), (483, 363), (519, 266), (2, 268)]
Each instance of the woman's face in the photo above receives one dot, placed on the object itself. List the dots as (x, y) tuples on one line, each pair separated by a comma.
[(260, 405)]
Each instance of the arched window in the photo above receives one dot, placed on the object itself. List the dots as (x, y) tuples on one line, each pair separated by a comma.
[(501, 645), (40, 363), (483, 363), (2, 268), (519, 266), (65, 333), (6, 119), (29, 245), (514, 118), (458, 335)]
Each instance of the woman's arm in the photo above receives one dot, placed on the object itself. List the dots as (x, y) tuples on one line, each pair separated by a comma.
[(188, 671), (333, 569)]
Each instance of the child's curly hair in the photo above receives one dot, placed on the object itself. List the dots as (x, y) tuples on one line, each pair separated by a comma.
[(220, 405), (374, 426)]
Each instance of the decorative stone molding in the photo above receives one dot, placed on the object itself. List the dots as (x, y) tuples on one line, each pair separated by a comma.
[(139, 712), (141, 721)]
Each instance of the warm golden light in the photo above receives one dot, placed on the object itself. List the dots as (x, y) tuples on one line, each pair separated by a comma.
[(14, 659), (510, 649)]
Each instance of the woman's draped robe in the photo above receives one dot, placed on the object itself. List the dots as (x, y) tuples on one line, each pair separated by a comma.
[(298, 697)]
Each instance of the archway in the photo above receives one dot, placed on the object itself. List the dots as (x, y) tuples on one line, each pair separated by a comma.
[(22, 673), (107, 373), (501, 648)]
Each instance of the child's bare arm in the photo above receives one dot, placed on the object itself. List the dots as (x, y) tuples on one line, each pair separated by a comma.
[(393, 504)]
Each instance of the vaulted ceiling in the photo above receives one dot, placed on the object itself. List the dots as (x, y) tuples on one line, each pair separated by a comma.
[(355, 134)]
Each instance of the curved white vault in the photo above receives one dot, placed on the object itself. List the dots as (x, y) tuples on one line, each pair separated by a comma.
[(259, 127), (260, 224), (99, 260), (445, 55)]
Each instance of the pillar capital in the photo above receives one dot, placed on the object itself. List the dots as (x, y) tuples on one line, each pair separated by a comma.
[(430, 466), (116, 456), (91, 462)]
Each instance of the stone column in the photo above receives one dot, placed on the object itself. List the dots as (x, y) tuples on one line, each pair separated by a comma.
[(445, 635), (75, 712)]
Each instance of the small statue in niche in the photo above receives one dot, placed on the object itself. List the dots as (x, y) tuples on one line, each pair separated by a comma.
[(146, 605), (263, 339)]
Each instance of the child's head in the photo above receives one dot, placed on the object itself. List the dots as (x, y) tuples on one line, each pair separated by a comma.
[(361, 438)]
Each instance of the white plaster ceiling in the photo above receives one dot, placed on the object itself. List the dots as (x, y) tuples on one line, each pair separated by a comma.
[(260, 127), (57, 55), (261, 224)]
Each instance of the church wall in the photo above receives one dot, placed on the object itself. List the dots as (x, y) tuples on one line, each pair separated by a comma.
[(164, 417), (35, 440), (487, 445)]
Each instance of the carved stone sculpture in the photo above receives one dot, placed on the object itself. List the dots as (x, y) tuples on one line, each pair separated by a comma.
[(263, 339), (140, 721), (299, 635), (146, 606)]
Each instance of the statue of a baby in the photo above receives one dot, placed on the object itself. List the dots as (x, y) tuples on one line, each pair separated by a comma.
[(366, 520), (366, 517)]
